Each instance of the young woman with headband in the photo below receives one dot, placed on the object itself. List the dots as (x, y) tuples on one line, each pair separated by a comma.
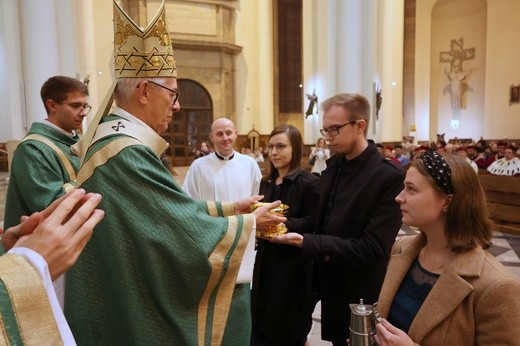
[(442, 287)]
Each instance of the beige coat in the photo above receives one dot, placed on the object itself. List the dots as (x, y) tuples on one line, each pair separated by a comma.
[(475, 301)]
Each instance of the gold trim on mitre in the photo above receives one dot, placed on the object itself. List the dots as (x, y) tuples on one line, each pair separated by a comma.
[(142, 53)]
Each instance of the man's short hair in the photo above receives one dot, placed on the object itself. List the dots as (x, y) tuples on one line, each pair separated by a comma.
[(57, 89), (356, 105)]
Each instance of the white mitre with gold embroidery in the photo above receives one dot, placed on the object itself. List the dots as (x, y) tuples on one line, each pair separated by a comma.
[(142, 53), (138, 53)]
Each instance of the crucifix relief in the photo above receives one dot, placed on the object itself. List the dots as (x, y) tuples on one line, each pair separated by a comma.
[(456, 58)]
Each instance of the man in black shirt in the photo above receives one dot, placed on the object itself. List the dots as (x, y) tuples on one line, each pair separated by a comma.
[(357, 218)]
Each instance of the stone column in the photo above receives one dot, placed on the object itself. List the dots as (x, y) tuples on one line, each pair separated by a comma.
[(264, 121), (355, 39), (319, 56), (86, 57), (350, 48), (391, 113), (11, 85), (40, 52)]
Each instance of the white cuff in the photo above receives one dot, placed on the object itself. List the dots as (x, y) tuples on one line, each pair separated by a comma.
[(245, 273)]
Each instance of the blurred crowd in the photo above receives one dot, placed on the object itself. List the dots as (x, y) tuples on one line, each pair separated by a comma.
[(484, 156)]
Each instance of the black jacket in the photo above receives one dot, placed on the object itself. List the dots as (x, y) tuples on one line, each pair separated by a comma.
[(282, 283), (353, 246)]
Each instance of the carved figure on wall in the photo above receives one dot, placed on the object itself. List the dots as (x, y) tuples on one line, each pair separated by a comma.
[(514, 94), (314, 100), (440, 139), (379, 99), (456, 86), (456, 74)]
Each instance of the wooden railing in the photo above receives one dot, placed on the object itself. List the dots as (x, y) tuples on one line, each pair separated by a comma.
[(503, 199), (6, 153), (3, 157)]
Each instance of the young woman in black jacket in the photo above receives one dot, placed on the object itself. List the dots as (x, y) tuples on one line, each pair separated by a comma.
[(282, 283)]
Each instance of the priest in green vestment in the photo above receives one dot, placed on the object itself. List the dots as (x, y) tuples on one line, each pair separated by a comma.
[(42, 164), (161, 268)]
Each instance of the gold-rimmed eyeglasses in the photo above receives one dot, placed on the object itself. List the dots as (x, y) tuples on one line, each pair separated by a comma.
[(174, 94), (334, 129), (78, 107)]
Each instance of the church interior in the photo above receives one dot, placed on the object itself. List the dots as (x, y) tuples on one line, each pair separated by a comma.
[(260, 63), (429, 68)]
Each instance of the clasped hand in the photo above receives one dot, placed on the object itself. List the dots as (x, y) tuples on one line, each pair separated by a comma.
[(60, 232)]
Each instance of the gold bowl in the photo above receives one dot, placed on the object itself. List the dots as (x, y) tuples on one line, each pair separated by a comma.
[(271, 230)]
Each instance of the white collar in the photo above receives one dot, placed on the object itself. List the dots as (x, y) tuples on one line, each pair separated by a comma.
[(224, 158), (128, 116), (71, 134)]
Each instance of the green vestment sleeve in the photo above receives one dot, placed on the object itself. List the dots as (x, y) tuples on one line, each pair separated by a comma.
[(160, 267), (37, 174)]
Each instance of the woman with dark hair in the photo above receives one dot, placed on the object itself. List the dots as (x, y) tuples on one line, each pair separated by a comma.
[(282, 282), (203, 151), (442, 287)]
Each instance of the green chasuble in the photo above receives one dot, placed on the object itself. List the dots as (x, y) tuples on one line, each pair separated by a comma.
[(37, 173), (161, 267)]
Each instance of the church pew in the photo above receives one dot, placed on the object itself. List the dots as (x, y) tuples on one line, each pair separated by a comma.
[(503, 200)]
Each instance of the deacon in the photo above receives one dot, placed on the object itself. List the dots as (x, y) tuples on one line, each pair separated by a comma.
[(162, 268), (42, 164), (224, 175)]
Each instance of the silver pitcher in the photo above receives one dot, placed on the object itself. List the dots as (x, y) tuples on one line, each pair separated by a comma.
[(362, 325)]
